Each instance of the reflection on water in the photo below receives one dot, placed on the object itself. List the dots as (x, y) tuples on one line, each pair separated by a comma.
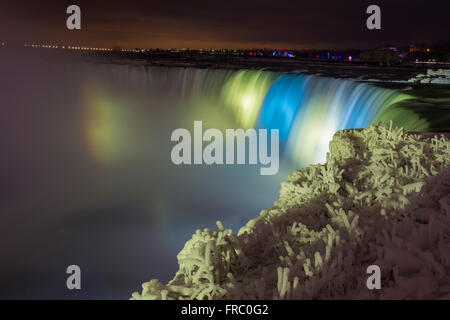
[(87, 179)]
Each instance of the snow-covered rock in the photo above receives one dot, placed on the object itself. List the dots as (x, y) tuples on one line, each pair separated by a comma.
[(382, 198), (441, 80), (440, 76)]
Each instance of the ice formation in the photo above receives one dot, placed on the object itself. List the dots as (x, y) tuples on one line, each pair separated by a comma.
[(440, 76), (382, 197)]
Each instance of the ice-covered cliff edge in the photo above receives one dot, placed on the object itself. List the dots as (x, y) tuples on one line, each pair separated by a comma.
[(440, 76), (382, 197)]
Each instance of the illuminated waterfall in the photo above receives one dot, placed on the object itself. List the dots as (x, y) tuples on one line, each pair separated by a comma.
[(244, 93), (306, 109)]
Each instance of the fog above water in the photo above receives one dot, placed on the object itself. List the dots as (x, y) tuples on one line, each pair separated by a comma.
[(86, 178)]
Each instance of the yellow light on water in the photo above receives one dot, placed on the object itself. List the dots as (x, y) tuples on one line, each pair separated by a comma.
[(104, 126), (244, 93)]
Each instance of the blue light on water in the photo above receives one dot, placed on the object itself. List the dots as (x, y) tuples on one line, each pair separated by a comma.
[(282, 104), (308, 110)]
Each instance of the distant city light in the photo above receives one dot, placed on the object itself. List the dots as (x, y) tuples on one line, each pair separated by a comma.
[(282, 54), (53, 46)]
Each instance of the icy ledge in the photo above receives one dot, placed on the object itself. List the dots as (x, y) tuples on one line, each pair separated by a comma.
[(382, 197), (440, 76)]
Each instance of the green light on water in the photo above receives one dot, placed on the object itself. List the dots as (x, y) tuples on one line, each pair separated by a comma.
[(244, 93)]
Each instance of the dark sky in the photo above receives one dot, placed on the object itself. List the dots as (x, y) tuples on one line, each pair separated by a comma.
[(233, 24)]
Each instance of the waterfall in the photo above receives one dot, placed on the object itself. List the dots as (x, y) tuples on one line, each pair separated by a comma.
[(306, 109)]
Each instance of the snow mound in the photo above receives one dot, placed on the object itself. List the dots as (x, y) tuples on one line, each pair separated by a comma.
[(382, 197), (440, 76)]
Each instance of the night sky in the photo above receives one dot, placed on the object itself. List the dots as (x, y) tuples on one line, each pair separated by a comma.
[(225, 24)]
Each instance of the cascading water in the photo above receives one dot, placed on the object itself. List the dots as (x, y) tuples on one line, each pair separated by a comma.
[(307, 110)]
